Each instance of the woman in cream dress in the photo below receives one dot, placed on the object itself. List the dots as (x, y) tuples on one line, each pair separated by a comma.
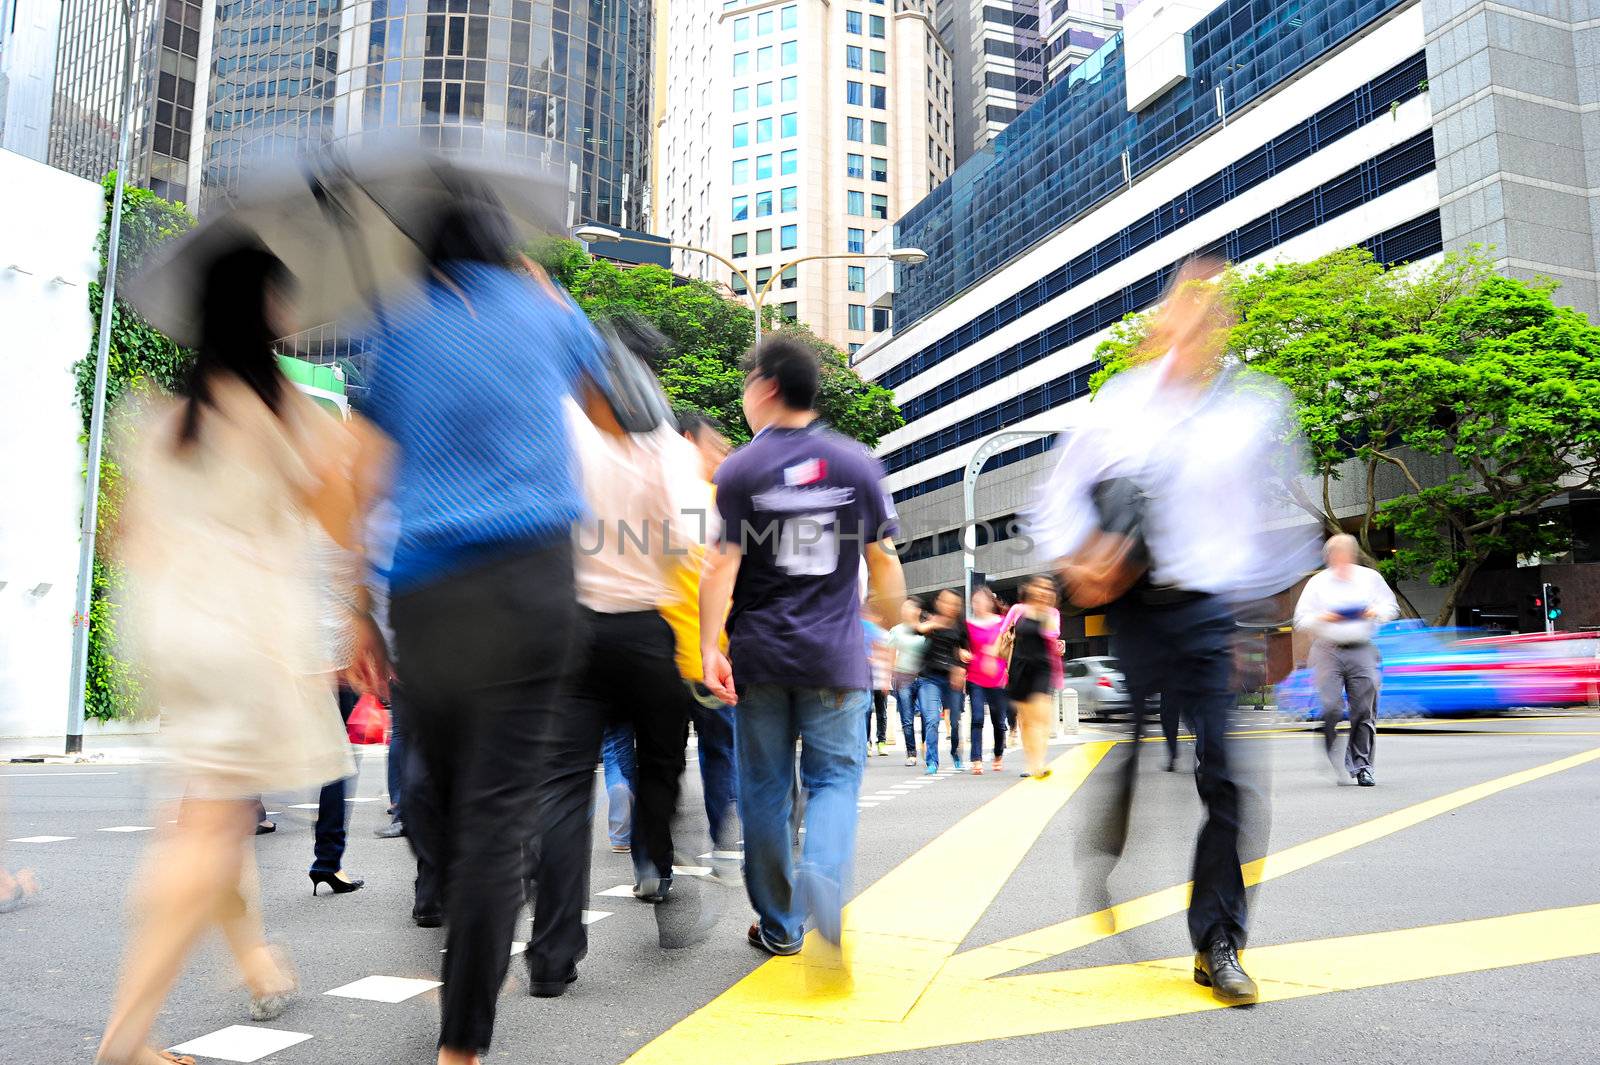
[(221, 614)]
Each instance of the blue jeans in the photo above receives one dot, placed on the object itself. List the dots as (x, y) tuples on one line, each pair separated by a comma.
[(905, 699), (333, 813), (616, 753), (830, 726), (719, 766), (997, 704), (933, 694)]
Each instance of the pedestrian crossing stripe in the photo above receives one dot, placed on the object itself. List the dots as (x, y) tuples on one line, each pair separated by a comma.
[(907, 988)]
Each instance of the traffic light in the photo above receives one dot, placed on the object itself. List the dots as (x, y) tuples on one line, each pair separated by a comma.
[(1552, 601)]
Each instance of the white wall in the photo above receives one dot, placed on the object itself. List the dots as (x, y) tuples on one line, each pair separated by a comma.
[(45, 317)]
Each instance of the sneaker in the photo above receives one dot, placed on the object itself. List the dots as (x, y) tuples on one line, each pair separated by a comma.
[(1364, 778), (961, 766), (759, 941), (911, 760), (392, 830), (931, 771), (883, 749)]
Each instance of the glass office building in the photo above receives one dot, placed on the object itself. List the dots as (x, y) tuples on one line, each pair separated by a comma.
[(563, 84)]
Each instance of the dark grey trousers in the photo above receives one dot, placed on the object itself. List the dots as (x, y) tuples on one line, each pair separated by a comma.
[(1348, 674)]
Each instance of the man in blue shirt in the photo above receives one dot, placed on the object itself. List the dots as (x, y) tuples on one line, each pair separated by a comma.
[(469, 390), (801, 507)]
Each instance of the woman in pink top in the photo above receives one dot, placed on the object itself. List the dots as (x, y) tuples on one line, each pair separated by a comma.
[(1035, 667), (986, 678)]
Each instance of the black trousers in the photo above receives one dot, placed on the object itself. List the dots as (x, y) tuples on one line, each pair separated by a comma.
[(481, 655), (626, 674), (1185, 651), (333, 813)]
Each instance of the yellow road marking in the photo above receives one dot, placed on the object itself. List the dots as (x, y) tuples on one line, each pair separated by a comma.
[(910, 990)]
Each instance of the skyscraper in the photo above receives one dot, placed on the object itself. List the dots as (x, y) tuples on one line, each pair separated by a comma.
[(799, 128), (563, 85), (28, 31), (172, 37), (1073, 29), (999, 65)]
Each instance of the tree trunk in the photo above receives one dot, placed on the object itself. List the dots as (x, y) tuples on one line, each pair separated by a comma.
[(1448, 608)]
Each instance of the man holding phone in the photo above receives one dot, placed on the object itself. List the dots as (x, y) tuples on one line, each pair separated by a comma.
[(1340, 607)]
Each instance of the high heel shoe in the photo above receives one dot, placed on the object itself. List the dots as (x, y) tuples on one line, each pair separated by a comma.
[(340, 883)]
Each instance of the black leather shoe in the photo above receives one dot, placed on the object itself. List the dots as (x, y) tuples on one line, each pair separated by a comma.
[(551, 988), (1172, 763), (336, 881), (1218, 968), (1364, 778)]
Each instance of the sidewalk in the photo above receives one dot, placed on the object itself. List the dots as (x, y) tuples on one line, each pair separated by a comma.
[(107, 749)]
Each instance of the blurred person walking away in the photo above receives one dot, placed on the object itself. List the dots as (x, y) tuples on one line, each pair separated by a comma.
[(880, 658), (620, 772), (986, 679), (1034, 675), (908, 644), (1159, 509), (468, 390), (382, 527), (1341, 607), (800, 507), (941, 684), (713, 719), (221, 616), (637, 486)]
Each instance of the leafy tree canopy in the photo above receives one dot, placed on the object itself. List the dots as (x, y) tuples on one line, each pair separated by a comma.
[(708, 334), (1447, 365)]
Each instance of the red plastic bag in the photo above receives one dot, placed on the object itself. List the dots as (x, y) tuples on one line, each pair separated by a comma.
[(369, 721)]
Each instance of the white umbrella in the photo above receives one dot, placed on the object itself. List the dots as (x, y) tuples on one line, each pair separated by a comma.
[(348, 224)]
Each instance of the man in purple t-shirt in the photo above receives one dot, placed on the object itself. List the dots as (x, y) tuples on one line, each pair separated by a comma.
[(801, 507)]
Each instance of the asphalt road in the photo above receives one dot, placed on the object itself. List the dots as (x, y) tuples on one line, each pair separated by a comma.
[(1458, 840)]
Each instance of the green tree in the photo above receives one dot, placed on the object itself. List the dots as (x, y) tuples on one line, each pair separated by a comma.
[(1481, 378), (708, 335), (138, 355)]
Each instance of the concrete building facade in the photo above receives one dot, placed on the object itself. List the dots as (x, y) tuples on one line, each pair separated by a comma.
[(800, 128), (28, 31)]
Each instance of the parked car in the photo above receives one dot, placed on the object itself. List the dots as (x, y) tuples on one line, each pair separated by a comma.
[(1102, 690)]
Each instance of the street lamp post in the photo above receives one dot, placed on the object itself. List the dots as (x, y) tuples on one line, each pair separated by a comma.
[(97, 415), (594, 234)]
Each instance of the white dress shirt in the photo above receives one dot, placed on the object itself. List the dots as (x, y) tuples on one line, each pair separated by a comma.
[(1328, 593), (1220, 467)]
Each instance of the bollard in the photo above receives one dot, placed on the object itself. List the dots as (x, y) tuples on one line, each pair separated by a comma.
[(1067, 710)]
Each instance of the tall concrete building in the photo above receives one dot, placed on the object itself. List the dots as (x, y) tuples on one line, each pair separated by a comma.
[(172, 49), (999, 66), (566, 86), (1072, 30), (1410, 127), (799, 128), (28, 30)]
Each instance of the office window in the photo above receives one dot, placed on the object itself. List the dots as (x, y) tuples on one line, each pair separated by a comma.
[(789, 161), (789, 237), (741, 171), (855, 276), (880, 133), (763, 167), (789, 53), (880, 169), (790, 124), (741, 208), (855, 239), (789, 17), (880, 206), (763, 242), (741, 29), (764, 94), (738, 285), (790, 90), (852, 129), (858, 316), (854, 347), (764, 58), (852, 93), (852, 56), (789, 278), (875, 25), (852, 22), (880, 62), (763, 275), (854, 166), (741, 99), (763, 130), (741, 134), (791, 311), (741, 64), (855, 203), (880, 97), (763, 204), (763, 23), (789, 199), (880, 319), (741, 246)]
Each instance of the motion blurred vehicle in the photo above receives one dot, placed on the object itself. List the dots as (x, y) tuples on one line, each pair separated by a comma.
[(1102, 689), (1448, 672)]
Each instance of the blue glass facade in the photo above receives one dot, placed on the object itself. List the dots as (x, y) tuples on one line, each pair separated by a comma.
[(1064, 155)]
